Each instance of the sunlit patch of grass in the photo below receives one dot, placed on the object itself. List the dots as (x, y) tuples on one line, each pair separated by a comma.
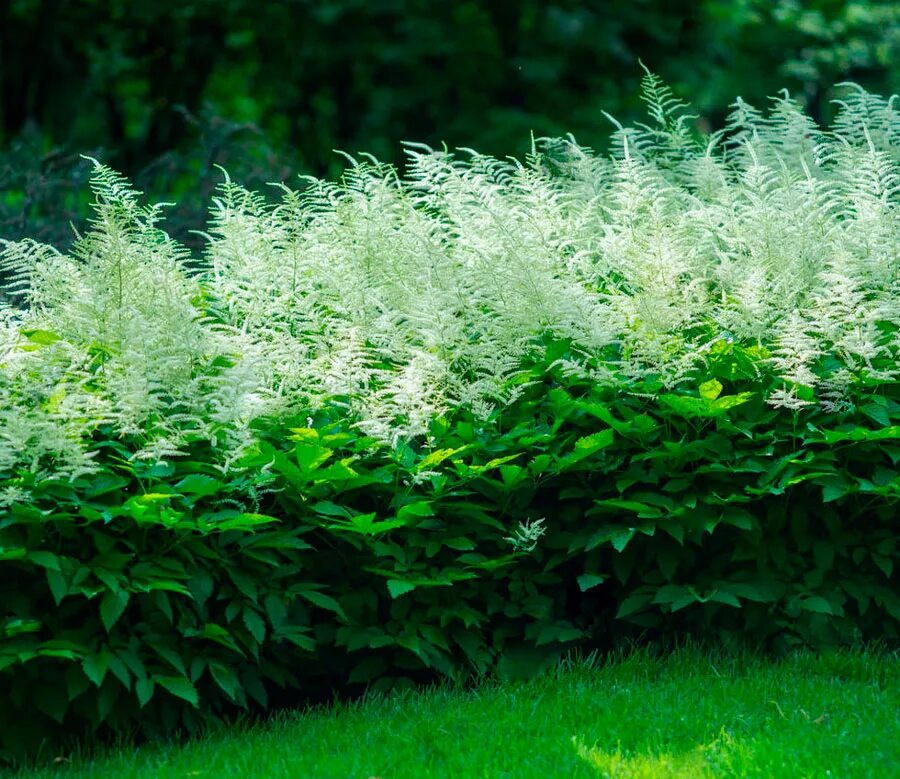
[(616, 764), (642, 715)]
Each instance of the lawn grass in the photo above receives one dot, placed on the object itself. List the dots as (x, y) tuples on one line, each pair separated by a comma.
[(688, 714)]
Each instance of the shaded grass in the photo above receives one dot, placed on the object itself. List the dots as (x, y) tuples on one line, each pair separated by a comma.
[(688, 714)]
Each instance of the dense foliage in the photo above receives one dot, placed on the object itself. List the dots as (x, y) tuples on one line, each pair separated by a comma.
[(162, 90), (462, 420)]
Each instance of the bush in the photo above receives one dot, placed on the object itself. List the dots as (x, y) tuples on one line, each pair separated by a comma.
[(456, 423)]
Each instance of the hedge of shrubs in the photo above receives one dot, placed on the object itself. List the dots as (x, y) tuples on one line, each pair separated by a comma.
[(452, 424)]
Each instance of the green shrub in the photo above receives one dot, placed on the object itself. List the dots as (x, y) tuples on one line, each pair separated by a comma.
[(455, 423)]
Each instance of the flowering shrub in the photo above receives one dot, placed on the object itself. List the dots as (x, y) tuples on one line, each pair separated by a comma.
[(397, 426)]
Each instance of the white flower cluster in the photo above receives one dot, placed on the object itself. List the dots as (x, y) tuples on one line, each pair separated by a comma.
[(527, 535), (401, 298)]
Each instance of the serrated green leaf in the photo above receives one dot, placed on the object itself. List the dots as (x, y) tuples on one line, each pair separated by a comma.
[(226, 678), (299, 638), (588, 580), (199, 485), (95, 666), (620, 538), (112, 606), (323, 602), (396, 587), (633, 604), (589, 445), (276, 610), (255, 624), (180, 687)]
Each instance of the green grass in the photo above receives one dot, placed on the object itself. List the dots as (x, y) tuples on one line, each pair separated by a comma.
[(690, 714)]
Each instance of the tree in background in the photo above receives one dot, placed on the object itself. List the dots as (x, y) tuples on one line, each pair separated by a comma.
[(164, 91)]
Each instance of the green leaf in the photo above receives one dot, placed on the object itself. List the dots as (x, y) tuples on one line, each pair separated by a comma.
[(461, 544), (437, 457), (95, 666), (861, 434), (641, 509), (276, 610), (885, 564), (251, 684), (104, 483), (67, 650), (726, 597), (165, 586), (19, 627), (44, 559), (226, 678), (728, 402), (710, 389), (200, 485), (310, 456), (144, 688), (675, 596), (366, 524), (255, 624), (109, 694), (834, 488), (634, 603), (397, 587), (180, 687), (688, 407), (42, 337), (170, 655), (245, 584), (220, 635), (620, 538), (119, 671), (112, 605), (588, 445), (816, 604), (323, 601), (329, 509), (588, 580), (58, 586), (759, 591), (299, 638), (411, 512), (245, 521)]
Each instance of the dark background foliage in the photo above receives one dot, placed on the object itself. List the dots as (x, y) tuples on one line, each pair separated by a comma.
[(163, 91)]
